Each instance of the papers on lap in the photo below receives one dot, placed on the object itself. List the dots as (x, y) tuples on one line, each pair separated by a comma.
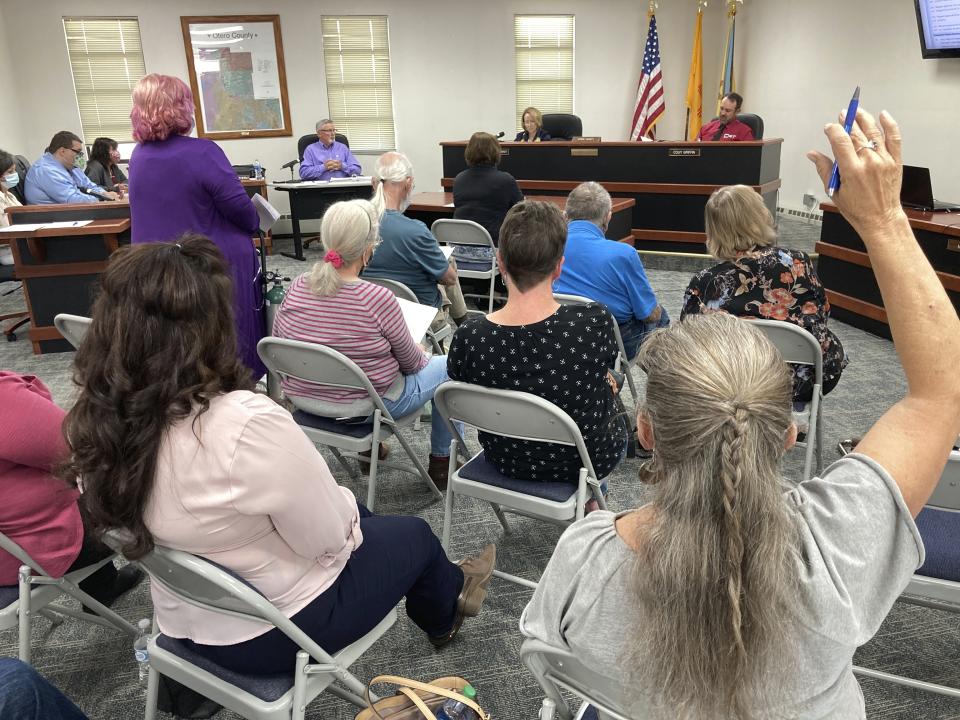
[(418, 317)]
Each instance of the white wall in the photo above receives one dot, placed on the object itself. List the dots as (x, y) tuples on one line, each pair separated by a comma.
[(11, 125), (800, 62), (452, 63)]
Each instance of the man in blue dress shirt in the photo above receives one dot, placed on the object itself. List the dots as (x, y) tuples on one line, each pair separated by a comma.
[(607, 271), (57, 178), (327, 158)]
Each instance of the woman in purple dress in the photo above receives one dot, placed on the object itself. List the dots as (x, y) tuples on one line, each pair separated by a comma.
[(180, 184)]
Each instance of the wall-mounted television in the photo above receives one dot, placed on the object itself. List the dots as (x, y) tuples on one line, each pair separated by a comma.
[(939, 24)]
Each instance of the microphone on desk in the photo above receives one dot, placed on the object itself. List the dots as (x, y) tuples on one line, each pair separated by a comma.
[(499, 134), (289, 165), (719, 133)]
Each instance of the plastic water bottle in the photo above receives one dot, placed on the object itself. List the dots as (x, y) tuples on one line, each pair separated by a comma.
[(456, 710), (140, 650), (257, 170)]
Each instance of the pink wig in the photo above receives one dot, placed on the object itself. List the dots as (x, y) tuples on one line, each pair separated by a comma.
[(162, 106)]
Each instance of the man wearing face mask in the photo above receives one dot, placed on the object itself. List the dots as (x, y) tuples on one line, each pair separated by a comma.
[(607, 271), (408, 251), (56, 178)]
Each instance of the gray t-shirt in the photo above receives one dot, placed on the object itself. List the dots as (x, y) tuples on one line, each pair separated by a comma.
[(858, 549)]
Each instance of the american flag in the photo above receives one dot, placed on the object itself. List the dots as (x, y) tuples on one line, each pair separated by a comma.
[(649, 105)]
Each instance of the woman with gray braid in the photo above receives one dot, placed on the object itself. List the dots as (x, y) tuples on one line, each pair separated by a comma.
[(731, 594)]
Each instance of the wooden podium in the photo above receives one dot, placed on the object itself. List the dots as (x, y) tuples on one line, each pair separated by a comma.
[(669, 181)]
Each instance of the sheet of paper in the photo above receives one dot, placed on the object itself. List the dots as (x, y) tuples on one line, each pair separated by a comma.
[(24, 227), (66, 224), (418, 317), (267, 212), (447, 250)]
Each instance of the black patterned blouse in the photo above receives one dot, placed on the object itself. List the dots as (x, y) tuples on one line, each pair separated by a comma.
[(772, 283), (563, 359)]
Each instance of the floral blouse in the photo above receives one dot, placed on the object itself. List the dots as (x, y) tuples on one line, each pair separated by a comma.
[(772, 283)]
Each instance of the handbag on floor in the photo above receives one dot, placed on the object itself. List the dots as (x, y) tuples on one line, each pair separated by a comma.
[(416, 700)]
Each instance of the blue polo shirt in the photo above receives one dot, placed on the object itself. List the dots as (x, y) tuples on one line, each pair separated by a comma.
[(409, 253), (605, 270)]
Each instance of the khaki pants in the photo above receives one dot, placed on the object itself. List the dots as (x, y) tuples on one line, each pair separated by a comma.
[(452, 304)]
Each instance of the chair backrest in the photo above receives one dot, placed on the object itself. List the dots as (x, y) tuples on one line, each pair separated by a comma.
[(946, 496), (22, 165), (318, 364), (460, 232), (306, 141), (553, 666), (207, 585), (754, 122), (395, 286), (562, 126), (72, 327), (795, 344), (509, 413)]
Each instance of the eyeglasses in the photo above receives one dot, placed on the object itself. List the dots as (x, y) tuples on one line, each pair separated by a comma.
[(79, 153), (331, 130)]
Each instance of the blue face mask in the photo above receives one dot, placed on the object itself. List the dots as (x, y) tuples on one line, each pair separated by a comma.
[(11, 180)]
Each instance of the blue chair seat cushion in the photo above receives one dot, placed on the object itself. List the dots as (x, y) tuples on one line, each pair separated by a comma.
[(354, 427), (483, 471), (940, 530), (265, 687), (9, 594)]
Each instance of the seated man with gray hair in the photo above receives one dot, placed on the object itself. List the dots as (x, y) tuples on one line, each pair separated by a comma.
[(408, 251), (607, 271), (327, 158)]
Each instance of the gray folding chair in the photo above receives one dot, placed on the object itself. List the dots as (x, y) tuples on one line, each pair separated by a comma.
[(72, 327), (322, 365), (939, 525), (521, 416), (402, 291), (799, 347), (36, 592), (467, 232), (624, 363), (556, 668), (206, 585)]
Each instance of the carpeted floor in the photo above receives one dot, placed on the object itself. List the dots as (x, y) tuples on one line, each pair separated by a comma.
[(95, 667)]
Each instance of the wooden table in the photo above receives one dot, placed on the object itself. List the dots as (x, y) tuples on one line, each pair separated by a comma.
[(431, 206), (847, 275), (60, 269), (670, 182)]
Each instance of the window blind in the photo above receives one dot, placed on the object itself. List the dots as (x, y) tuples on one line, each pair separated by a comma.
[(106, 59), (544, 54), (356, 58)]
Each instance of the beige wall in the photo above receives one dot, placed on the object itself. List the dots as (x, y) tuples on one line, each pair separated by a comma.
[(452, 63)]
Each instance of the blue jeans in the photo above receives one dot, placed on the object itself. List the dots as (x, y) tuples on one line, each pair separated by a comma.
[(634, 332), (418, 391), (399, 557), (26, 695)]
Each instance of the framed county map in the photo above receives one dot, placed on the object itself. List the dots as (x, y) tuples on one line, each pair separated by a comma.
[(237, 75)]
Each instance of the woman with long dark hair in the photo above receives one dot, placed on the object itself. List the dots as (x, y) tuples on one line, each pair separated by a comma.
[(170, 443), (732, 594), (103, 166)]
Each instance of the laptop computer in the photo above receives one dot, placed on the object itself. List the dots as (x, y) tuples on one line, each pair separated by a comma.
[(917, 192)]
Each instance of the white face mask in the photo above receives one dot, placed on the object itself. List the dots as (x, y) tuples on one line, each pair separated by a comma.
[(11, 180)]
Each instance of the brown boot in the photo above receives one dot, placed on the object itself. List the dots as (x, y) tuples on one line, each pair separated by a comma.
[(383, 454), (438, 470), (477, 571)]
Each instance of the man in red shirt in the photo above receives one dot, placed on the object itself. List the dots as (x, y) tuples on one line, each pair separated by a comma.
[(726, 128)]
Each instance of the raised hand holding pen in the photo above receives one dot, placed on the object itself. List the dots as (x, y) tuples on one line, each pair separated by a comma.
[(851, 115)]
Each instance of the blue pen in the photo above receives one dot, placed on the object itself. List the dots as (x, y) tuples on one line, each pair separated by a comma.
[(834, 184)]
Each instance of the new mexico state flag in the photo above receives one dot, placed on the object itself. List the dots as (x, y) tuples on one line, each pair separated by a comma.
[(695, 84)]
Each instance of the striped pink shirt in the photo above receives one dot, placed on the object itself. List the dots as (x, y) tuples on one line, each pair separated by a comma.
[(363, 321)]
